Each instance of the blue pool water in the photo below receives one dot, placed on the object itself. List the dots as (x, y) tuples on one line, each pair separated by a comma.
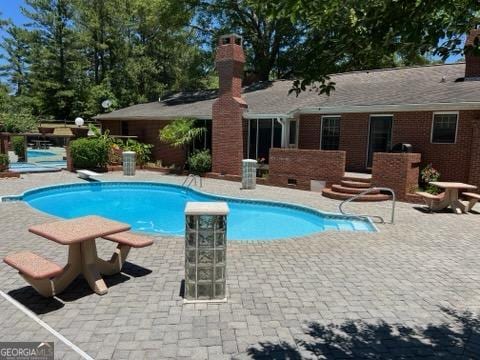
[(39, 153), (159, 208)]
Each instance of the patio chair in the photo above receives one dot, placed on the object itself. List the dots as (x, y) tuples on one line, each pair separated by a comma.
[(433, 202)]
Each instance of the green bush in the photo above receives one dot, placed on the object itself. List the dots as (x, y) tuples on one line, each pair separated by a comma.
[(143, 151), (18, 144), (89, 153), (4, 162), (200, 162)]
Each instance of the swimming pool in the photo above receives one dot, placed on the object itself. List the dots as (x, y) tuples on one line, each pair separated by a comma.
[(39, 153), (159, 208)]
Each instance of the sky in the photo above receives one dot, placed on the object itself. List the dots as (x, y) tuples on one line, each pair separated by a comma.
[(11, 9)]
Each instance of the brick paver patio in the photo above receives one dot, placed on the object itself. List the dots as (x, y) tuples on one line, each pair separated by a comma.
[(410, 291)]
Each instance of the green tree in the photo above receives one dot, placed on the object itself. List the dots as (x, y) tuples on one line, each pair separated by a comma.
[(181, 133), (359, 34), (55, 56), (270, 38), (15, 69)]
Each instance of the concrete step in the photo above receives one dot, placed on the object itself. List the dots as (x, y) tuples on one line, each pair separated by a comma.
[(329, 193), (366, 179), (355, 184), (350, 190)]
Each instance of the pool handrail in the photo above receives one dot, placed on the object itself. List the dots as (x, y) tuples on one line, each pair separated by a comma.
[(367, 191)]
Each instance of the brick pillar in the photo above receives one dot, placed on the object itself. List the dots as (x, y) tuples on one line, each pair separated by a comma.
[(3, 144), (474, 172), (398, 171), (70, 166), (472, 58), (227, 110)]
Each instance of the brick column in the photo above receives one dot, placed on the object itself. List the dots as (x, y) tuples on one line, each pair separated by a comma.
[(70, 166), (398, 171), (474, 172), (227, 110), (3, 144)]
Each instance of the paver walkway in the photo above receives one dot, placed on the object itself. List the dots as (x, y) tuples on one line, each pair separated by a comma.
[(410, 291)]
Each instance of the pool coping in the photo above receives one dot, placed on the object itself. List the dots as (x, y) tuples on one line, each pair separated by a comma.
[(19, 197)]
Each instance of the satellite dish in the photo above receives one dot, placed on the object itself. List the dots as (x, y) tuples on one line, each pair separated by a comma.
[(106, 104)]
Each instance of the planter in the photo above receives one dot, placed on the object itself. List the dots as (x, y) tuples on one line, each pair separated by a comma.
[(3, 167), (46, 130), (79, 132)]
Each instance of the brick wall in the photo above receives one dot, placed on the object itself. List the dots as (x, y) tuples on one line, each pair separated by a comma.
[(353, 137), (305, 165), (451, 160), (309, 131), (353, 140), (415, 127), (148, 132), (397, 171)]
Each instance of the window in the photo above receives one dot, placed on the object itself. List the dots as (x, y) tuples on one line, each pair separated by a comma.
[(124, 128), (330, 133), (263, 134), (444, 128), (292, 136)]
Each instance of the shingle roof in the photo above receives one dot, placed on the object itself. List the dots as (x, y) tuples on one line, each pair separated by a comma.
[(398, 86)]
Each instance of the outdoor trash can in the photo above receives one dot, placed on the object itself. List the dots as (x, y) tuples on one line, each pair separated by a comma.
[(205, 251), (249, 174), (129, 163)]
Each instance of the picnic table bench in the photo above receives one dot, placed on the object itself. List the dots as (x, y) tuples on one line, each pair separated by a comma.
[(50, 279)]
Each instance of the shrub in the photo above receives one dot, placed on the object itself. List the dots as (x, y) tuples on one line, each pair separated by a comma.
[(89, 153), (200, 162), (18, 144), (4, 162), (429, 174), (143, 151)]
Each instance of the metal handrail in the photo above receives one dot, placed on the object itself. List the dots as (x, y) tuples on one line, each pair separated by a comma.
[(192, 179), (367, 191)]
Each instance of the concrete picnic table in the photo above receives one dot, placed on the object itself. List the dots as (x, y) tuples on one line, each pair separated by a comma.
[(450, 198), (80, 234)]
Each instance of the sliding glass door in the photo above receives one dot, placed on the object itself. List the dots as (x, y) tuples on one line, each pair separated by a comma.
[(380, 136)]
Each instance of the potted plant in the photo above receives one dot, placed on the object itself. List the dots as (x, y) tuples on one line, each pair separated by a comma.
[(429, 174), (44, 130), (4, 162)]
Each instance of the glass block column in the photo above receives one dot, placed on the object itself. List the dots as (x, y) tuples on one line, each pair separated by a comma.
[(249, 174), (129, 162), (205, 251)]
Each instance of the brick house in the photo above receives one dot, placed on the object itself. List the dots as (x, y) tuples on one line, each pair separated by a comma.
[(434, 108)]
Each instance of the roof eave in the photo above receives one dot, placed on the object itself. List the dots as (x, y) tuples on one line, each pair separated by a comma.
[(157, 118), (388, 108)]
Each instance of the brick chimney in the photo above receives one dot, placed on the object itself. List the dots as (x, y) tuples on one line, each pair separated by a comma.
[(227, 110), (472, 59)]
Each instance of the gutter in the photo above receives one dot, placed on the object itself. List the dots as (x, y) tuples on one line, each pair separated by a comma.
[(387, 108)]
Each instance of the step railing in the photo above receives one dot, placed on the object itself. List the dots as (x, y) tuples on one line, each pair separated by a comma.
[(191, 179), (365, 192)]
